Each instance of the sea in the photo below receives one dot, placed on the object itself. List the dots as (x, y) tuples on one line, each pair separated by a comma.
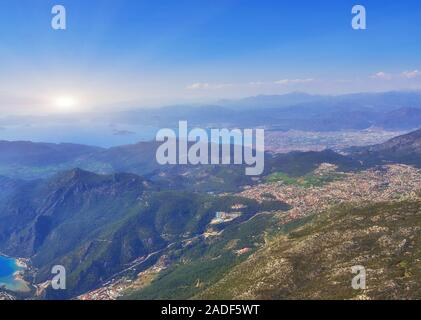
[(8, 266)]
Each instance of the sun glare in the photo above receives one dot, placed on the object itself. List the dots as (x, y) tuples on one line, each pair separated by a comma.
[(65, 103)]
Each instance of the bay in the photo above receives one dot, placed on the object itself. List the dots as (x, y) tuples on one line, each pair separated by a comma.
[(8, 268)]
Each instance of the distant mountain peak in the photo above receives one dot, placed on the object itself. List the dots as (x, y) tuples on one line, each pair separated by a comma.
[(411, 140), (404, 149)]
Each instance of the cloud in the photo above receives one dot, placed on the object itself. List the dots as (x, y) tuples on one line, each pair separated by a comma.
[(388, 76), (293, 81), (411, 74), (255, 84), (202, 86), (198, 86), (222, 85), (382, 76)]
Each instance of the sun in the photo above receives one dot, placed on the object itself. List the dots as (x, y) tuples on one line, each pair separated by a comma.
[(65, 103)]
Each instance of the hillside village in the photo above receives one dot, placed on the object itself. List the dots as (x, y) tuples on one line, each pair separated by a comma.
[(387, 183)]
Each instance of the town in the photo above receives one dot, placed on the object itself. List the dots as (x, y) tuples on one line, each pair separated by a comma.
[(387, 183)]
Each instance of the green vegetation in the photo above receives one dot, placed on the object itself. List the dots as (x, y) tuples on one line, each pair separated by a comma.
[(204, 262), (307, 181), (315, 260), (96, 225)]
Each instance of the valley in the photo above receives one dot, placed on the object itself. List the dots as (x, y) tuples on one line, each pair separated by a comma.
[(393, 184), (165, 151), (182, 231), (298, 140), (382, 184)]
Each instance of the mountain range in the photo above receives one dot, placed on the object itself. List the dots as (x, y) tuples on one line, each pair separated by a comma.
[(295, 111), (403, 149), (315, 261), (96, 224), (121, 214), (29, 160), (390, 111)]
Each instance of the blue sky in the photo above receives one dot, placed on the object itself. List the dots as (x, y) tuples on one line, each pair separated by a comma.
[(120, 53)]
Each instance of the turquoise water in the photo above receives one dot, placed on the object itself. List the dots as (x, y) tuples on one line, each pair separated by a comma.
[(7, 268)]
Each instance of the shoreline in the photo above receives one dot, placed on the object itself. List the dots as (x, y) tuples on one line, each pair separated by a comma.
[(23, 286), (20, 285), (22, 263)]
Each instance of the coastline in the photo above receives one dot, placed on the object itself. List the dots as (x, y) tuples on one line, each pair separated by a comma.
[(23, 285), (22, 263), (20, 285)]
